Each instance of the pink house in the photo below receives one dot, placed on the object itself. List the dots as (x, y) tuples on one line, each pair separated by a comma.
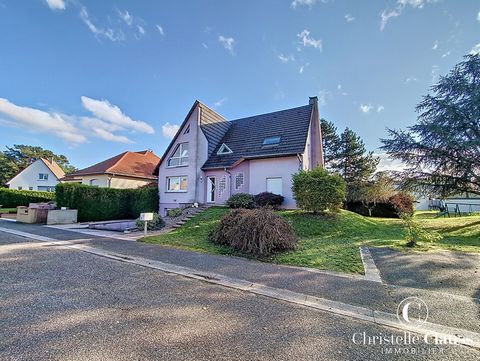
[(211, 158)]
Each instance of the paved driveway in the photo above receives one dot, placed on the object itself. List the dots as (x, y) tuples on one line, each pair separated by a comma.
[(61, 304)]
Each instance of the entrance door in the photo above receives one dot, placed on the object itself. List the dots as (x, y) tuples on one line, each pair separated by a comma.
[(211, 190)]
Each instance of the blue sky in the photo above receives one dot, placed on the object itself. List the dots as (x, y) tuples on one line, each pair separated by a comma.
[(91, 79)]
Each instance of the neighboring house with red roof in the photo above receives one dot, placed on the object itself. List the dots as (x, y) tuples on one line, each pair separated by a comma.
[(125, 170), (40, 175), (210, 158)]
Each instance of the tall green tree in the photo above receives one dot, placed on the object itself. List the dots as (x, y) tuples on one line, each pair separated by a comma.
[(331, 142), (353, 162), (442, 150), (18, 157)]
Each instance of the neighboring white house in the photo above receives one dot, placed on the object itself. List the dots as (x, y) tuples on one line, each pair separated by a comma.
[(41, 175)]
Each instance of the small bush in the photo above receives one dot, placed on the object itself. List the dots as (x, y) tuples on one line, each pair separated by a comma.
[(153, 225), (258, 232), (267, 199), (241, 200), (414, 232), (174, 212), (318, 191), (402, 203), (11, 198)]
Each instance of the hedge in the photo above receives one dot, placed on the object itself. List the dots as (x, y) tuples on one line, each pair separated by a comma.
[(11, 198), (100, 204)]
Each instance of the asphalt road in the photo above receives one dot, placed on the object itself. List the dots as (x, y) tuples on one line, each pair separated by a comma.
[(62, 304)]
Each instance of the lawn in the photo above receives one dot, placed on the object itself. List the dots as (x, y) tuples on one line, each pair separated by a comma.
[(8, 210), (331, 241)]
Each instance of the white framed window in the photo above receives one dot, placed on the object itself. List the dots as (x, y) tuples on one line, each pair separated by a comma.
[(179, 156), (177, 184), (42, 176), (30, 188), (222, 185), (274, 185), (224, 149), (20, 188), (239, 179)]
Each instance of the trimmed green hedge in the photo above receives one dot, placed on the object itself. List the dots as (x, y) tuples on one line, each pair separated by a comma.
[(101, 204), (11, 198)]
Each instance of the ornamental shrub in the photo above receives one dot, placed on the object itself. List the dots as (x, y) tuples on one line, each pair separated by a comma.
[(11, 198), (402, 203), (100, 204), (174, 212), (267, 199), (259, 232), (317, 190), (241, 200), (153, 225), (414, 232)]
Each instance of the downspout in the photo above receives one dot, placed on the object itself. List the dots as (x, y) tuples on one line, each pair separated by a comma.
[(300, 161)]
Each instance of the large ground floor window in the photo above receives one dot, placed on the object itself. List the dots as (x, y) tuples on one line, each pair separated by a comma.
[(177, 184)]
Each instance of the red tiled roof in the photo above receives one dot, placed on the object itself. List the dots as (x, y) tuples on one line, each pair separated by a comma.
[(132, 164), (54, 168)]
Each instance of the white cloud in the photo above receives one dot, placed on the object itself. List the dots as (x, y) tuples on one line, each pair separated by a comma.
[(111, 113), (308, 3), (205, 46), (71, 128), (435, 45), (109, 33), (475, 49), (397, 11), (388, 163), (307, 40), (434, 72), (110, 137), (40, 121), (160, 30), (349, 18), (380, 108), (56, 4), (478, 16), (410, 79), (365, 108), (285, 58), (386, 15), (324, 96), (169, 130), (141, 29), (219, 103), (444, 55), (228, 43), (126, 17)]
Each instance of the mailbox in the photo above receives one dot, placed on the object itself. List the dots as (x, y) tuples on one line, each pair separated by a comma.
[(146, 216)]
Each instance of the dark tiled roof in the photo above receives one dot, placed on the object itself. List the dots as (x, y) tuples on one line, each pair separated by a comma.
[(134, 164), (245, 136), (213, 125)]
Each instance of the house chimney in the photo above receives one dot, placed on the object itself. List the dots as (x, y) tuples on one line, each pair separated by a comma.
[(313, 100)]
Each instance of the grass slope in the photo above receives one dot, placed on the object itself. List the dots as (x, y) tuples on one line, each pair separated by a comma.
[(331, 241)]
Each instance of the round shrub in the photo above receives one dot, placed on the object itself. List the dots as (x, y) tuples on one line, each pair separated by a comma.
[(402, 203), (175, 212), (267, 199), (259, 232), (156, 224), (317, 190), (241, 200)]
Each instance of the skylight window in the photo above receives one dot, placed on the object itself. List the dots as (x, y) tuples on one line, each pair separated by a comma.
[(224, 149), (271, 140)]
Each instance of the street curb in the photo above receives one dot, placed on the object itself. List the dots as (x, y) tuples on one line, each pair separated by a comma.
[(371, 271), (463, 337)]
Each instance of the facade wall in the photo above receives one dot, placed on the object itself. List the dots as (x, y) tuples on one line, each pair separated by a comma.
[(313, 153), (197, 149), (285, 167), (28, 178), (127, 182)]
